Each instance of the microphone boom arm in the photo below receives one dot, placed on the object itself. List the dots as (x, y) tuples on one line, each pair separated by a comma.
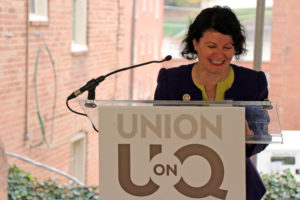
[(93, 83)]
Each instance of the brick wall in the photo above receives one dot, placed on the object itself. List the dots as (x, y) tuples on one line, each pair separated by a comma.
[(109, 48), (284, 66), (72, 71), (148, 36)]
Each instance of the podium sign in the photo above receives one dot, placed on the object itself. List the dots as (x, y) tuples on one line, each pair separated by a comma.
[(171, 152)]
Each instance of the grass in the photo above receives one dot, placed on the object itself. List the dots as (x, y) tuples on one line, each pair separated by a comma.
[(174, 28), (248, 14)]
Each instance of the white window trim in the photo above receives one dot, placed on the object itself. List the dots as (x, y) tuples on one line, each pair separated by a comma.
[(150, 45), (156, 46), (144, 5), (80, 136), (143, 45), (80, 44), (78, 47), (157, 7), (41, 15), (151, 5), (135, 51), (38, 18), (136, 10)]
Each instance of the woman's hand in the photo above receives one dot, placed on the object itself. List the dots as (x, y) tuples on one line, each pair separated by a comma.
[(248, 131)]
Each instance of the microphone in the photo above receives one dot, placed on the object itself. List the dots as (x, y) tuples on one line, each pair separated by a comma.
[(93, 83)]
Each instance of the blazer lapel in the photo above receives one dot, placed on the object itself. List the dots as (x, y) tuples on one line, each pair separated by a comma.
[(187, 86)]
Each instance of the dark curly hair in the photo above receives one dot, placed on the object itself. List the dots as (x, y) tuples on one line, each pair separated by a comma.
[(220, 19)]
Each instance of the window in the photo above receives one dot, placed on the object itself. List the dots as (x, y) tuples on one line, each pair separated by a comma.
[(136, 11), (144, 5), (179, 14), (79, 26), (286, 160), (150, 43), (156, 48), (151, 5), (135, 60), (143, 46), (38, 10), (78, 152), (157, 9)]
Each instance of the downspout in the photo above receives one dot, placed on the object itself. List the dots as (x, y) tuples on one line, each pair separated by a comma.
[(26, 71), (258, 43), (259, 34), (131, 72)]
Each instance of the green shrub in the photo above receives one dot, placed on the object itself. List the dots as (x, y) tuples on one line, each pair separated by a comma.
[(23, 186), (281, 186)]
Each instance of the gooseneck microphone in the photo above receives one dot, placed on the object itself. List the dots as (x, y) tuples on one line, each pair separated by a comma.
[(93, 83)]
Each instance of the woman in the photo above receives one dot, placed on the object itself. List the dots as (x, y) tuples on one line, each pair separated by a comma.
[(214, 38)]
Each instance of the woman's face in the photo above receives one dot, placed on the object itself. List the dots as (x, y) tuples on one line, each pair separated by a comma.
[(215, 51)]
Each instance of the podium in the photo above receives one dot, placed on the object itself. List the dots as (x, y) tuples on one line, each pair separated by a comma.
[(177, 149)]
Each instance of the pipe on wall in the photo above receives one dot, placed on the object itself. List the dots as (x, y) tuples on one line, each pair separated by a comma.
[(131, 72), (259, 34), (26, 70)]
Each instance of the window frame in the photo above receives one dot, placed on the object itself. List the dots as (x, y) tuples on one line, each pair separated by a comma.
[(78, 171), (79, 26), (39, 12)]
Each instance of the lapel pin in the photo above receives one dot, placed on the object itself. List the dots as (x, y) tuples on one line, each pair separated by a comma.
[(186, 97)]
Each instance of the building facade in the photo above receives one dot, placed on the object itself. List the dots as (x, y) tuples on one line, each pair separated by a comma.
[(50, 49)]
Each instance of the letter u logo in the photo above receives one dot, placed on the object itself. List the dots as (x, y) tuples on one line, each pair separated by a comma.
[(124, 172)]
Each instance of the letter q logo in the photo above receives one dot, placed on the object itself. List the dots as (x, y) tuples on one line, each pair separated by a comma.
[(211, 188)]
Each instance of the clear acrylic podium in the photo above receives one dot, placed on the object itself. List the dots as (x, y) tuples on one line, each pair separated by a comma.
[(261, 113), (177, 149)]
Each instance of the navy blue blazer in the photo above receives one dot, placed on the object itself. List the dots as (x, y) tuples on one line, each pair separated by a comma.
[(248, 85)]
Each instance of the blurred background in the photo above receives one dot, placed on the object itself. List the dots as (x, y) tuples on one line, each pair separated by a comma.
[(50, 48)]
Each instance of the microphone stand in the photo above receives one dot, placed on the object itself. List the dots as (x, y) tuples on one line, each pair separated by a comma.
[(91, 85), (91, 98)]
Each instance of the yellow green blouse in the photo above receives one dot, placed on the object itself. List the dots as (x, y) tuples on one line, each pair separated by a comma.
[(222, 87)]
